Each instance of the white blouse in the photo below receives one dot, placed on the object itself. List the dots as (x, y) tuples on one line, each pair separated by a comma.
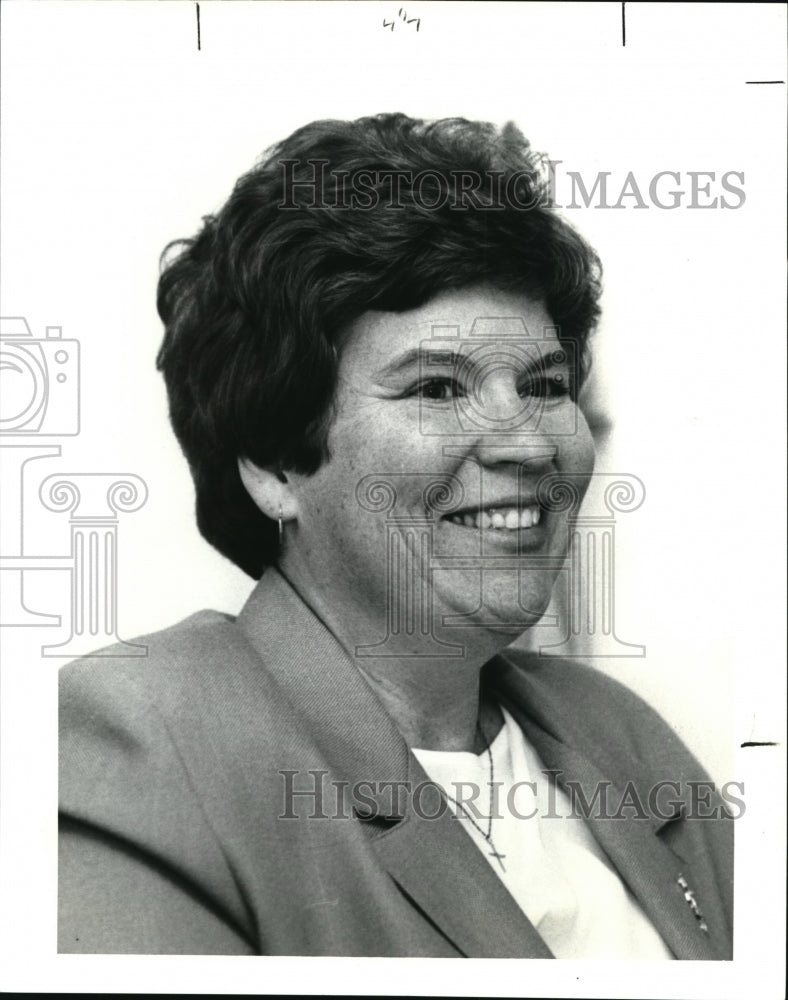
[(550, 862)]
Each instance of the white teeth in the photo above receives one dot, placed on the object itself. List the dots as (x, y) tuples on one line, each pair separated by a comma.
[(506, 519)]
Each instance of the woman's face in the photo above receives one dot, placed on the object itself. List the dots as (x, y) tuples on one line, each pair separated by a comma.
[(457, 409)]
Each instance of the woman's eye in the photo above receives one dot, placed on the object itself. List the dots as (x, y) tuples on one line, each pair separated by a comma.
[(438, 389), (547, 387)]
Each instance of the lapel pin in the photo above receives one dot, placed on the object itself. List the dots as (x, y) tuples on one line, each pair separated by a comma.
[(689, 895)]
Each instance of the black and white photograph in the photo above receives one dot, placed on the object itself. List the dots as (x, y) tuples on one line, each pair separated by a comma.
[(393, 514)]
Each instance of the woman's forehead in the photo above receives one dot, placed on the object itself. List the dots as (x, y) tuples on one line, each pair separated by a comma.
[(457, 322)]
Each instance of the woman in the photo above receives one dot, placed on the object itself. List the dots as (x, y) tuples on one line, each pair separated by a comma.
[(373, 354)]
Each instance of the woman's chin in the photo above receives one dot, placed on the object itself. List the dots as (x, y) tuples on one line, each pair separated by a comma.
[(503, 610)]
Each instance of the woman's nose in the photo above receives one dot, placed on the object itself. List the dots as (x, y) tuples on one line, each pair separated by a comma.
[(501, 407), (535, 454), (513, 427)]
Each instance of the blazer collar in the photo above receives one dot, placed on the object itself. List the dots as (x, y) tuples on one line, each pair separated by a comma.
[(340, 710), (557, 728)]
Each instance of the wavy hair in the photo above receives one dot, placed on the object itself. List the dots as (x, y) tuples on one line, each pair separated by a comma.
[(254, 305)]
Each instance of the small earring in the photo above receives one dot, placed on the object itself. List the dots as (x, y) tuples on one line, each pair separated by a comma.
[(281, 526)]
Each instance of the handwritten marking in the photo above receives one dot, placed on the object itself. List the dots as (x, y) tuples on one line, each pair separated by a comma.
[(755, 743), (624, 24), (764, 81), (198, 27), (403, 16)]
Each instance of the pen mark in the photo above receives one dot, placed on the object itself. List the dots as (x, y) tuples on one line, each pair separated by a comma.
[(624, 24), (764, 81), (198, 27), (756, 743)]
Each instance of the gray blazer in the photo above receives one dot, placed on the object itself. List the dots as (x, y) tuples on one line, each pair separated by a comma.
[(173, 781)]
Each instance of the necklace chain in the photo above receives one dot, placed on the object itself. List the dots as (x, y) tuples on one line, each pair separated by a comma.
[(494, 853)]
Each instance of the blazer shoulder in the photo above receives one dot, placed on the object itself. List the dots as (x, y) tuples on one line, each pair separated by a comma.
[(173, 667), (135, 766), (193, 636), (115, 710), (122, 708)]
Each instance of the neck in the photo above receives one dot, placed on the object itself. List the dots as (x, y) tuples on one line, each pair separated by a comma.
[(452, 718), (435, 702), (434, 698)]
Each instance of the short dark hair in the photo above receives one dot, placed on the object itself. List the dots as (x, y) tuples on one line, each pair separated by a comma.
[(254, 304)]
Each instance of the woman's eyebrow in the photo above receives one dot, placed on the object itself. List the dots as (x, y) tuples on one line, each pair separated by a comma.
[(417, 357), (427, 358)]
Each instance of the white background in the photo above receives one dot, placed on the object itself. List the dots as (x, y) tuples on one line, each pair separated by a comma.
[(118, 135)]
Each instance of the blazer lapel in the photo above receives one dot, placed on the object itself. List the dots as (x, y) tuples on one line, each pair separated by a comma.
[(653, 873), (339, 710), (433, 861), (438, 866)]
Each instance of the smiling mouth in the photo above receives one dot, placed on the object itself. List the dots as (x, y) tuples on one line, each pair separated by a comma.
[(498, 518)]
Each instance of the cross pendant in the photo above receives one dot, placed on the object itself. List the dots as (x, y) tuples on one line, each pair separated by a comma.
[(500, 857)]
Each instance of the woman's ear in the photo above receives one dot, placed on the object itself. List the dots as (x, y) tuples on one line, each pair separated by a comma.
[(270, 489)]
